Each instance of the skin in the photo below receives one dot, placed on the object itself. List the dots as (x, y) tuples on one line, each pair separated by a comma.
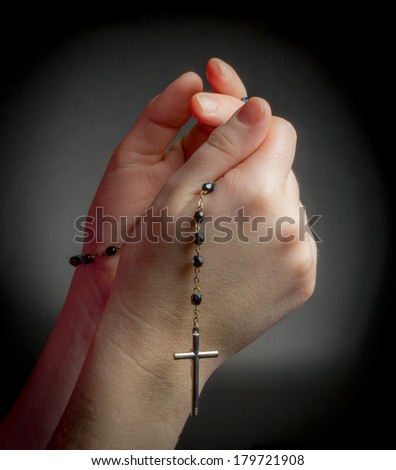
[(111, 352)]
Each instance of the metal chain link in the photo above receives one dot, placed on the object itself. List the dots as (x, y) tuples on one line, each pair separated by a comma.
[(196, 287)]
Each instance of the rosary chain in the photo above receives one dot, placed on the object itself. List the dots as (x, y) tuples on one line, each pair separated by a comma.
[(199, 215)]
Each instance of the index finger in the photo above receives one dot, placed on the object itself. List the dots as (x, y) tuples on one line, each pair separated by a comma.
[(162, 119)]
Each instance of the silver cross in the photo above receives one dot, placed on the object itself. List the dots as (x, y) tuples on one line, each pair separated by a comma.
[(196, 355)]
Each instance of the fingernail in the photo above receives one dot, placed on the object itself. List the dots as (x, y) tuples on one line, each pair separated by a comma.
[(221, 66), (251, 112), (208, 104)]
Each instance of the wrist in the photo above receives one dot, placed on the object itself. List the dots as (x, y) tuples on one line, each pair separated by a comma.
[(131, 392)]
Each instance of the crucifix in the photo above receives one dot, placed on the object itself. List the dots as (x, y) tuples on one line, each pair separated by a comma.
[(195, 355)]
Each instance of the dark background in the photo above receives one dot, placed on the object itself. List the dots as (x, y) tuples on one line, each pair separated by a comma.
[(71, 88)]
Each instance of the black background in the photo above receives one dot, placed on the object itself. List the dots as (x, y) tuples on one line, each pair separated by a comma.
[(353, 49)]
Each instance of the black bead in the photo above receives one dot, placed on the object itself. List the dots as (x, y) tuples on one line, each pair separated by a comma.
[(198, 216), (87, 259), (199, 238), (208, 187), (75, 260), (111, 250), (196, 298), (197, 261)]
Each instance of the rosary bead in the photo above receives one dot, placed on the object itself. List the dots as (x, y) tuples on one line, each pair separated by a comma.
[(197, 261), (199, 238), (111, 250), (87, 259), (208, 187), (198, 216), (75, 260), (196, 298)]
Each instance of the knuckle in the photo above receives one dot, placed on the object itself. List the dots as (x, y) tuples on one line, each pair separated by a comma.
[(304, 291), (261, 194), (286, 128), (303, 271), (302, 259), (223, 142), (262, 198), (268, 192)]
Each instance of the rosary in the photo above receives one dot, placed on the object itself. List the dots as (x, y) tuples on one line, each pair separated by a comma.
[(196, 299)]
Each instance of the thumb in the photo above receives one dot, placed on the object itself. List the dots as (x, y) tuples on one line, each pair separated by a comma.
[(226, 147)]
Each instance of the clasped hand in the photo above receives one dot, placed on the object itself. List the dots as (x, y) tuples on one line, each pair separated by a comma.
[(107, 378)]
